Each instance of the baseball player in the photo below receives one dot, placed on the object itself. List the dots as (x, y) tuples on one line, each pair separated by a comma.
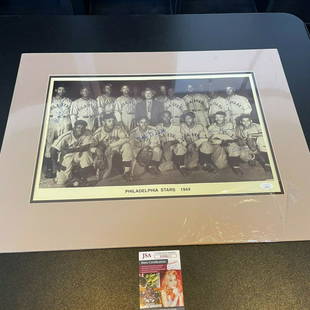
[(252, 140), (196, 138), (198, 104), (144, 139), (163, 98), (222, 136), (176, 106), (112, 139), (59, 123), (237, 104), (84, 108), (173, 145), (71, 155), (219, 103), (125, 107), (106, 102), (136, 95), (150, 108)]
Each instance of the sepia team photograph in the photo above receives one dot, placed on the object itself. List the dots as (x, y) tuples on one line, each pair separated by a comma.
[(134, 131)]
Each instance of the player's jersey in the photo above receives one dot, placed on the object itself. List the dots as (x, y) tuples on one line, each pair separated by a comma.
[(171, 133), (227, 129), (60, 107), (176, 106), (106, 104), (107, 137), (218, 104), (196, 102), (68, 140), (125, 105), (140, 139), (239, 105), (192, 134), (245, 133), (84, 108), (162, 99)]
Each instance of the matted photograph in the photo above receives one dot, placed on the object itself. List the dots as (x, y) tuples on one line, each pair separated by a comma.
[(109, 137)]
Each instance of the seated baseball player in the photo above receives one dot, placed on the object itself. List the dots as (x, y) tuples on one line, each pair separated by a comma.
[(222, 136), (196, 138), (71, 156), (252, 142), (145, 144), (173, 145), (111, 139)]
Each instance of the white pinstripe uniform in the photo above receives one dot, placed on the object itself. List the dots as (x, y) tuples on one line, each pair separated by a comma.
[(83, 159), (176, 106), (238, 105), (172, 133), (199, 104), (84, 109), (218, 104), (125, 109), (59, 121), (106, 104)]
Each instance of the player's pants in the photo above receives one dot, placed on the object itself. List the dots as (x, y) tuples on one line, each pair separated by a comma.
[(83, 160), (125, 151), (127, 120), (176, 149), (206, 148), (56, 127), (261, 146), (220, 154)]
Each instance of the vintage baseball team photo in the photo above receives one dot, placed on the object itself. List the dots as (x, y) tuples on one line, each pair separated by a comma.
[(144, 131)]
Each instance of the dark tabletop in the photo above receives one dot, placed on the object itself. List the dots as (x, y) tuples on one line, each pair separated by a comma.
[(251, 276)]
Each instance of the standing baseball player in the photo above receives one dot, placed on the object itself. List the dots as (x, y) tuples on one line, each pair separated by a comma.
[(111, 139), (71, 155), (150, 108), (176, 106), (198, 104), (84, 108), (252, 140), (125, 108), (237, 105), (105, 102), (136, 94), (173, 145), (217, 104), (59, 123), (163, 98), (196, 138), (145, 144), (222, 136)]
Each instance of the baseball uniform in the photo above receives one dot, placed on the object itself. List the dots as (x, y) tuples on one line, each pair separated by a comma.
[(238, 105), (82, 159), (199, 104), (105, 104), (196, 136), (176, 106), (117, 139), (221, 133), (218, 104), (84, 109), (125, 108), (253, 136), (169, 134), (148, 138), (59, 121)]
